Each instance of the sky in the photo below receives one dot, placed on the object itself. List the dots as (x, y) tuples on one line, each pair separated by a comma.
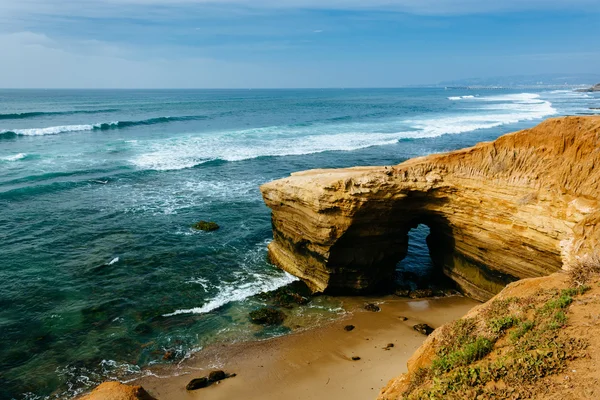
[(290, 43)]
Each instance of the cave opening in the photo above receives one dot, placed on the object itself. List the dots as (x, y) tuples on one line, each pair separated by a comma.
[(418, 270)]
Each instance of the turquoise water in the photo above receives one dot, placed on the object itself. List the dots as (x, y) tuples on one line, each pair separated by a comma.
[(100, 272)]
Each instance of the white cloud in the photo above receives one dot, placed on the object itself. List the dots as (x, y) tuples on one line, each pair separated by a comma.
[(32, 60)]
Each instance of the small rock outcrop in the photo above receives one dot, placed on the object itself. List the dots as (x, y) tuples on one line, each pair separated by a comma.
[(519, 207), (207, 226), (118, 391), (423, 329), (595, 88)]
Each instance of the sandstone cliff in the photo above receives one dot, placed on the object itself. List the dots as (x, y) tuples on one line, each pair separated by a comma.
[(519, 207)]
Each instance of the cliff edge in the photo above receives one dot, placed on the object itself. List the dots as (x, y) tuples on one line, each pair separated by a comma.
[(522, 206), (537, 339)]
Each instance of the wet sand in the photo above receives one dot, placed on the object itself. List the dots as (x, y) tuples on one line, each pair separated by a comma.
[(316, 363)]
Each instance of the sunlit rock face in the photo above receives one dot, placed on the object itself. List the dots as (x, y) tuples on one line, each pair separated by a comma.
[(521, 206)]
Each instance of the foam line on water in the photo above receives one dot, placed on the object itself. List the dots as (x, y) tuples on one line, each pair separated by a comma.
[(192, 150), (239, 292), (15, 157)]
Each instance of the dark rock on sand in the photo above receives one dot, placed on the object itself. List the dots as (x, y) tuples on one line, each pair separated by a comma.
[(420, 293), (198, 383), (389, 346), (216, 376), (207, 226), (355, 358), (402, 318), (424, 329), (349, 328), (372, 307), (267, 316)]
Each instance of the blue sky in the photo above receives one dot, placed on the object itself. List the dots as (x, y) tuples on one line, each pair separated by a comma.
[(291, 43)]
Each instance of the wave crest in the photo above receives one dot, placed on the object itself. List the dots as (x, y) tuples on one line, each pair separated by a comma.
[(34, 114), (54, 130)]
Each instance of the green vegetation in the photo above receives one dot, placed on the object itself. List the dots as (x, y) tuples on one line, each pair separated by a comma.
[(522, 337), (499, 325)]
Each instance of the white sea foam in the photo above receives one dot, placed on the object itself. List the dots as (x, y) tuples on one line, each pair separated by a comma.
[(192, 150), (114, 261), (202, 282), (461, 97), (15, 157), (508, 109), (52, 130), (239, 292)]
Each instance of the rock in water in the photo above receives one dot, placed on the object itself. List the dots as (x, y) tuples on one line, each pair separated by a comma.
[(207, 226), (519, 207), (118, 391), (198, 383), (216, 376), (424, 329), (420, 293), (349, 328), (267, 316), (372, 307)]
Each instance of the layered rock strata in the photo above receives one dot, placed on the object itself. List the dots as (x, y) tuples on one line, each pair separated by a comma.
[(518, 207)]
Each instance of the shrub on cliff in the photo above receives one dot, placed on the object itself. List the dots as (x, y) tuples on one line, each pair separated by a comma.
[(503, 351)]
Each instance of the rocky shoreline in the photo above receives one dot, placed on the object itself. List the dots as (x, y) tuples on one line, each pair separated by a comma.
[(507, 219), (519, 207)]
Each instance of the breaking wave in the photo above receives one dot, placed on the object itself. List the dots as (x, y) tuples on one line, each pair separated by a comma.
[(54, 130)]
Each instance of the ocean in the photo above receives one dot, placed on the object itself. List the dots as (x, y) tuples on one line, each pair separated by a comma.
[(101, 273)]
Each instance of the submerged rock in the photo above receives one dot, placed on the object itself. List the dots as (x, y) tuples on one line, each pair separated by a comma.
[(424, 329), (289, 296), (349, 328), (198, 383), (207, 226), (372, 307), (118, 391), (267, 316)]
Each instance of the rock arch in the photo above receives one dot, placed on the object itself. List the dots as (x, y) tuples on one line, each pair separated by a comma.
[(519, 207)]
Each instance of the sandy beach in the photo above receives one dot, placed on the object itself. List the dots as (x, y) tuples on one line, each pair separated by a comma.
[(316, 363)]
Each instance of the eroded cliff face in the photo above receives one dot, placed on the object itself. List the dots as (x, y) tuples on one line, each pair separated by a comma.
[(519, 207)]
